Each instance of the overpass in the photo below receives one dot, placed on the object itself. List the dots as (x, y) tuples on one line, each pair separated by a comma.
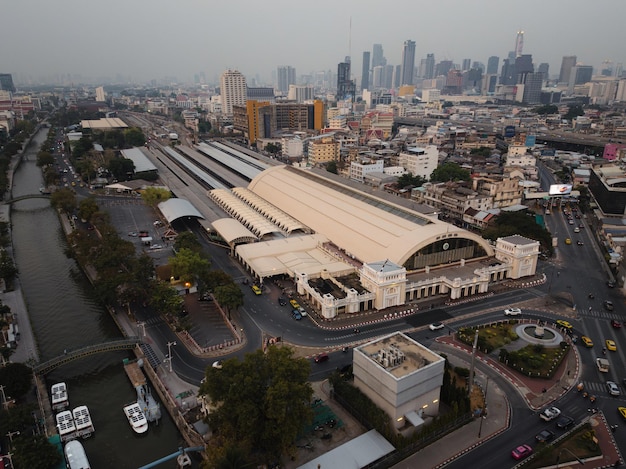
[(123, 344), (26, 197)]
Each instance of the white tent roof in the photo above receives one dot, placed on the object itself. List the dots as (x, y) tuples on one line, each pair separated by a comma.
[(173, 209)]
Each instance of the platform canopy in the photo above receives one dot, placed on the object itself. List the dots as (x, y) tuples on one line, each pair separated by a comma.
[(175, 208)]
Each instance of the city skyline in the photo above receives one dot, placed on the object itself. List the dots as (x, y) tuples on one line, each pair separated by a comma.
[(140, 41)]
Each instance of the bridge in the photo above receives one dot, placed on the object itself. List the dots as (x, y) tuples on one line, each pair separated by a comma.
[(77, 354), (26, 197)]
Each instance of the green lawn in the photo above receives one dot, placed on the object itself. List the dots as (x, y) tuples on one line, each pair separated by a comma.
[(490, 337), (581, 443)]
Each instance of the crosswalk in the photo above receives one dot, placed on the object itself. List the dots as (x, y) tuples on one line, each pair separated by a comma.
[(598, 388), (600, 314)]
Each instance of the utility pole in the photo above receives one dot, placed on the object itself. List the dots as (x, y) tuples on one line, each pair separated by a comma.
[(471, 374)]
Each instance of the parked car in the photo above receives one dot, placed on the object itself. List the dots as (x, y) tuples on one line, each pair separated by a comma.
[(282, 301), (296, 315), (612, 388), (512, 312), (544, 436), (550, 413), (436, 326), (256, 290), (302, 312), (294, 304), (521, 452)]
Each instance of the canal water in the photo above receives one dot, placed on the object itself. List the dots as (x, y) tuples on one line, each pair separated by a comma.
[(65, 316)]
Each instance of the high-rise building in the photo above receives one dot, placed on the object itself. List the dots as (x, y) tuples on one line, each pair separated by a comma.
[(507, 76), (492, 65), (365, 71), (377, 56), (285, 76), (567, 63), (519, 43), (523, 66), (301, 93), (467, 63), (443, 68), (377, 76), (408, 62), (6, 82), (580, 74), (345, 86), (388, 76), (544, 69), (233, 90), (532, 88), (397, 76), (428, 70)]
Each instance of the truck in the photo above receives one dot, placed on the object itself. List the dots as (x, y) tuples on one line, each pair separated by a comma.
[(602, 364)]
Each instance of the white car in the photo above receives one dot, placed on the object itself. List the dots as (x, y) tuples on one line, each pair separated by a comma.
[(436, 326), (217, 364), (550, 413), (512, 312), (613, 388)]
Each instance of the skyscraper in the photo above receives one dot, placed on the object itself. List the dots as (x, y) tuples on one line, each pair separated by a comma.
[(233, 89), (566, 68), (365, 71), (428, 70), (508, 77), (6, 82), (377, 56), (544, 69), (345, 86), (408, 62), (466, 64), (519, 43), (443, 68), (523, 66), (492, 65), (285, 76)]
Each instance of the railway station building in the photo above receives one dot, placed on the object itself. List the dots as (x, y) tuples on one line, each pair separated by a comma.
[(351, 251)]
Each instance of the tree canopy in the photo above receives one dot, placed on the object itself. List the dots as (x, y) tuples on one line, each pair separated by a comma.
[(155, 195), (188, 265), (263, 402), (409, 180), (449, 172), (511, 223), (64, 199)]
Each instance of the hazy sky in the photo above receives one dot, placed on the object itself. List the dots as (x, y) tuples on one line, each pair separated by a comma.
[(146, 39)]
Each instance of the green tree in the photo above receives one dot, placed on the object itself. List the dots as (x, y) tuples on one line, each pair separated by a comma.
[(165, 299), (8, 271), (64, 199), (547, 109), (44, 158), (511, 223), (204, 127), (121, 168), (188, 265), (230, 296), (35, 452), (574, 111), (449, 172), (17, 380), (273, 148), (155, 195), (409, 180), (134, 137), (187, 240), (87, 207), (331, 167), (233, 457), (263, 402)]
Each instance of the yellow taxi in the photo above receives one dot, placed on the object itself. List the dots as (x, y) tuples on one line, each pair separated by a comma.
[(294, 304), (610, 345), (568, 241), (565, 324), (622, 411), (587, 342), (256, 290)]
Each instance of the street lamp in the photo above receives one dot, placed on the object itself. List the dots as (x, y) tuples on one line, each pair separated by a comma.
[(10, 435), (169, 353), (558, 457)]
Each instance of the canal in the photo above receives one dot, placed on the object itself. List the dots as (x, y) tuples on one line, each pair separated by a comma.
[(65, 316)]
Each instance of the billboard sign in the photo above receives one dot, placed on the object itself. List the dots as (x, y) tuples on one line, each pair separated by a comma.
[(509, 131), (560, 189), (531, 140)]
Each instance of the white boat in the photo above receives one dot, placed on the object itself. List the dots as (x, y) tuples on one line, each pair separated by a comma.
[(65, 424), (136, 418), (82, 420), (60, 398), (76, 456)]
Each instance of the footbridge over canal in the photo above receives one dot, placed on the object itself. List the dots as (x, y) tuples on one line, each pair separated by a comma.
[(71, 355)]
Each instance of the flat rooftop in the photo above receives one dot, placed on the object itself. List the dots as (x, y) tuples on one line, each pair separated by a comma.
[(398, 354)]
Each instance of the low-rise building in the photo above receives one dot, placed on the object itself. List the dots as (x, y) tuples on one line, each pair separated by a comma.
[(419, 161)]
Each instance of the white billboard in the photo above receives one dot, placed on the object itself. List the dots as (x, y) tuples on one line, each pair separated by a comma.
[(560, 189)]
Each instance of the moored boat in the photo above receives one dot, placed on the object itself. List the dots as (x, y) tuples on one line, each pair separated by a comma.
[(65, 424), (76, 456), (82, 420), (60, 399), (136, 418)]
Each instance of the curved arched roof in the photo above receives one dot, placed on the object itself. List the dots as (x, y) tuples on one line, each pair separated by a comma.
[(367, 227), (174, 208), (232, 231)]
